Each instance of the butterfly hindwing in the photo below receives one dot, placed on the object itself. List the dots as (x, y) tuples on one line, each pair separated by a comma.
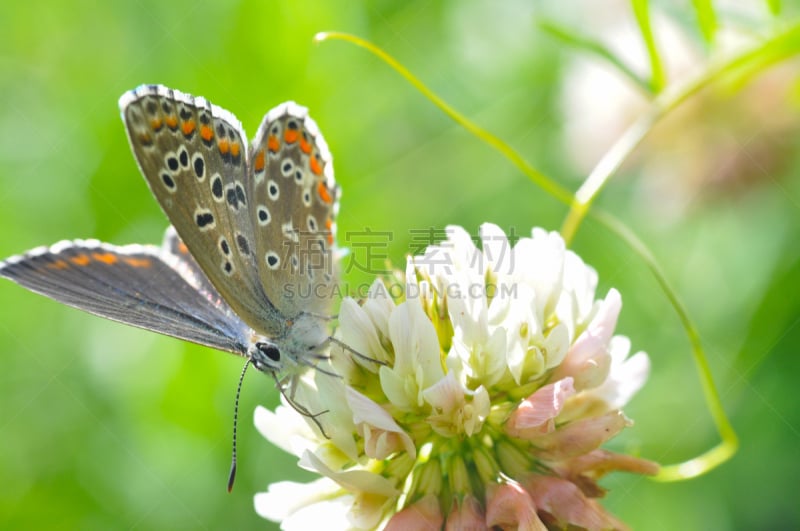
[(183, 261)]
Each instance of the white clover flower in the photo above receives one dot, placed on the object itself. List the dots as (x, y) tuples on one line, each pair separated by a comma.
[(497, 377)]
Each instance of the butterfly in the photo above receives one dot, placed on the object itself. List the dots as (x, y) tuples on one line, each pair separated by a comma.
[(248, 263)]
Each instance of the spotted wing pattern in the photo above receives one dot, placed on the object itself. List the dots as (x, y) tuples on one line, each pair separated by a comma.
[(295, 200), (259, 226), (194, 157)]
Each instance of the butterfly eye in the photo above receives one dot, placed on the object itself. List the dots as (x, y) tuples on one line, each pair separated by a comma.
[(270, 351)]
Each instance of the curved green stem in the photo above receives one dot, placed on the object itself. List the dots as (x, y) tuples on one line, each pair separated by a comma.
[(730, 442), (543, 181)]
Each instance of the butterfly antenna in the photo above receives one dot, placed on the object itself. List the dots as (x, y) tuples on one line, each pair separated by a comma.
[(232, 474)]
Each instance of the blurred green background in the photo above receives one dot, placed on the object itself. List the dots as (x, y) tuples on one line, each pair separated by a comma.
[(103, 426)]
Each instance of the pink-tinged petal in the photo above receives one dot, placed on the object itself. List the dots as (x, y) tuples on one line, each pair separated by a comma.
[(579, 437), (588, 360), (423, 515), (567, 505), (605, 321), (600, 462), (508, 506), (382, 435), (536, 414), (466, 515)]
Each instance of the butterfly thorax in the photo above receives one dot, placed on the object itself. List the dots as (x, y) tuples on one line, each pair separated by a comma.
[(298, 344)]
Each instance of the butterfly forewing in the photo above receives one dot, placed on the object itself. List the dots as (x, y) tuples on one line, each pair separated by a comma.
[(294, 196), (138, 285), (194, 157)]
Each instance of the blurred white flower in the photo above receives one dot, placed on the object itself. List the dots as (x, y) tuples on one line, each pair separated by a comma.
[(502, 378)]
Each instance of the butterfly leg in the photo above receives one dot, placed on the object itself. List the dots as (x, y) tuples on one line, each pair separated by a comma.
[(351, 350), (298, 407)]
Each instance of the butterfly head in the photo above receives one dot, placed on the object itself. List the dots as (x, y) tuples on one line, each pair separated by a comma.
[(266, 356), (298, 345)]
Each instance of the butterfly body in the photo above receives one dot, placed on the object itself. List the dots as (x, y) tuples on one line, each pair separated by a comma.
[(248, 220)]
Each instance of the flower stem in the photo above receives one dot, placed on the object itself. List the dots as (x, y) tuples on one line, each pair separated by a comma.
[(730, 442), (539, 178)]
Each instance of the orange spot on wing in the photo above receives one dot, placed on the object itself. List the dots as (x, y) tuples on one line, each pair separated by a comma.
[(329, 228), (106, 258), (324, 194), (273, 144), (206, 132), (182, 248), (156, 124), (58, 264), (80, 260), (316, 169), (224, 146), (305, 147), (171, 121), (290, 135), (188, 127), (145, 139), (137, 262), (258, 163), (235, 149)]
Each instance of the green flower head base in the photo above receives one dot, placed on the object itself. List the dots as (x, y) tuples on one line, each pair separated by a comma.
[(502, 379)]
